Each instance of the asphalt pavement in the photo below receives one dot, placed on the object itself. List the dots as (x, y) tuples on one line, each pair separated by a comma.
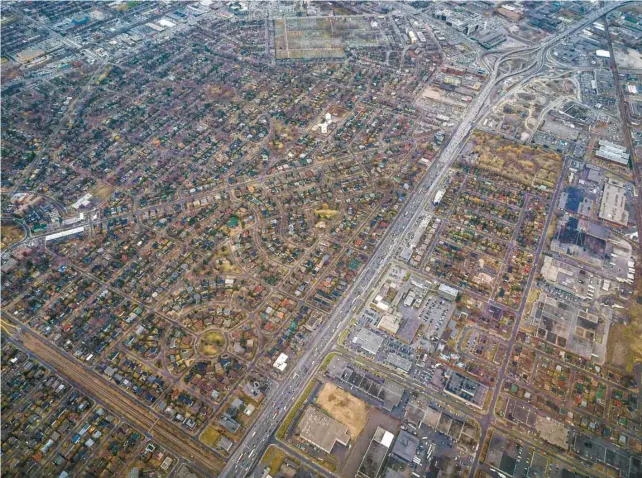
[(281, 398)]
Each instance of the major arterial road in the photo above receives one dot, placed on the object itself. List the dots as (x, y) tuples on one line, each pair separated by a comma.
[(281, 397)]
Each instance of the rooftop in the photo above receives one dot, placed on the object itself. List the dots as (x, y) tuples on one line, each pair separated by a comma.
[(368, 341), (321, 430), (613, 205), (405, 446)]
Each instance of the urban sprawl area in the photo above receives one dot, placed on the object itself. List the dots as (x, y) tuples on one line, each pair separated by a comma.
[(294, 238)]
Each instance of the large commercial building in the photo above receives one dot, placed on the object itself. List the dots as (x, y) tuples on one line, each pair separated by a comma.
[(448, 292), (405, 446), (368, 341), (408, 330), (281, 362), (613, 205), (466, 389), (322, 431), (376, 454), (390, 323), (612, 152), (399, 362)]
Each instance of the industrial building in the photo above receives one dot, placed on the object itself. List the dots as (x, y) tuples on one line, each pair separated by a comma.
[(322, 431), (368, 341), (448, 292), (613, 205), (612, 152), (405, 446), (376, 454)]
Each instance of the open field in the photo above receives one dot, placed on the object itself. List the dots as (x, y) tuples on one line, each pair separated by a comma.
[(10, 233), (343, 407), (273, 457), (212, 343), (320, 37), (528, 165), (103, 191), (624, 347), (209, 436)]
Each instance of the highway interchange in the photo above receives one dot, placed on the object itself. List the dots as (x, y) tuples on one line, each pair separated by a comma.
[(281, 398), (283, 395)]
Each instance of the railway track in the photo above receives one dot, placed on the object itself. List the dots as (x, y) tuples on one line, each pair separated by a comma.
[(167, 434)]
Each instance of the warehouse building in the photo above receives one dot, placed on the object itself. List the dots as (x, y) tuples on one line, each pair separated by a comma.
[(376, 454), (613, 205), (322, 431), (612, 152), (368, 341)]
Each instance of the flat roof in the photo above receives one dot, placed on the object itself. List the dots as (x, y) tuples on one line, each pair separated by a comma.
[(616, 158), (399, 362), (445, 288), (606, 142), (383, 436), (321, 430), (613, 205), (390, 323), (409, 329), (68, 232), (405, 446), (466, 389), (368, 341), (281, 362), (375, 455)]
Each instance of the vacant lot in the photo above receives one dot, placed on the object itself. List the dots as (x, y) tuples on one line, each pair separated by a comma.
[(530, 166), (273, 458), (210, 436), (343, 407), (321, 37), (103, 191), (10, 233), (624, 347)]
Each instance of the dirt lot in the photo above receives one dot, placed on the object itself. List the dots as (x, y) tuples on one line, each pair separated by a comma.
[(210, 436), (528, 165), (10, 233), (344, 408), (103, 192), (321, 37), (624, 348)]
